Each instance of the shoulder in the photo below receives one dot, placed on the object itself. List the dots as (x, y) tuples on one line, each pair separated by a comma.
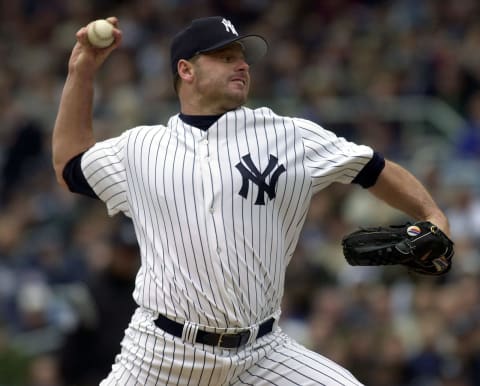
[(143, 131), (262, 112), (302, 128), (122, 141), (268, 112)]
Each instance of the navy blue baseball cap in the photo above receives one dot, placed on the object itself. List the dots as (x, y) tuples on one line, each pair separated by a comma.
[(212, 33)]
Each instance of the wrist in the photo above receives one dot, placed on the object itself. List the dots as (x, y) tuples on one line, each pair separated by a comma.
[(441, 221), (81, 73)]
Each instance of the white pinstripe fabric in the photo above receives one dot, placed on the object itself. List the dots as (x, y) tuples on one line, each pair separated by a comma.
[(151, 357), (210, 255)]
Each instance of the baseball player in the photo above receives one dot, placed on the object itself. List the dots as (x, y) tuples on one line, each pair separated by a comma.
[(218, 196)]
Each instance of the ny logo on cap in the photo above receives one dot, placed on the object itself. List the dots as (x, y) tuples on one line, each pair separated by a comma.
[(229, 26)]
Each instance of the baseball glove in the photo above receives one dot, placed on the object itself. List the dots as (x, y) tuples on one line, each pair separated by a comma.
[(422, 247)]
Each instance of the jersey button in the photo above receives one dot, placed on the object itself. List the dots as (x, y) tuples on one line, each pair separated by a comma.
[(219, 250), (212, 209)]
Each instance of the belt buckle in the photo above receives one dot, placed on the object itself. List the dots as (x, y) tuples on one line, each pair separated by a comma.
[(240, 339), (220, 339), (244, 337)]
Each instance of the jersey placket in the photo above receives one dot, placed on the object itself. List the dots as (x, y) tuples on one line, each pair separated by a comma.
[(210, 175)]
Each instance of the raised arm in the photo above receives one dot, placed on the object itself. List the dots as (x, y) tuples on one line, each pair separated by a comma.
[(401, 190), (73, 130)]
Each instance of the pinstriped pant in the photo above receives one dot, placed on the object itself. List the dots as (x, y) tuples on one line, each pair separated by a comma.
[(149, 356)]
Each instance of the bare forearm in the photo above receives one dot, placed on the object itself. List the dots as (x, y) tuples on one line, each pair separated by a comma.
[(403, 191), (73, 132)]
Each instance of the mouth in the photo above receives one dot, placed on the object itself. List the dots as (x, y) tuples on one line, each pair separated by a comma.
[(239, 80)]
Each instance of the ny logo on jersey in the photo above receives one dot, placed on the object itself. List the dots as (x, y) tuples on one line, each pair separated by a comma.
[(229, 26), (250, 172)]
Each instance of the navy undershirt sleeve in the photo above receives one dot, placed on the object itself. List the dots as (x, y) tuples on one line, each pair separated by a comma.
[(370, 172), (75, 179)]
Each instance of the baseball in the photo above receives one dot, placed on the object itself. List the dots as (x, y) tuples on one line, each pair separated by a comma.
[(100, 33)]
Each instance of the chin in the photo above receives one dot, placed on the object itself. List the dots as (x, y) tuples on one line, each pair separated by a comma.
[(235, 101), (241, 96)]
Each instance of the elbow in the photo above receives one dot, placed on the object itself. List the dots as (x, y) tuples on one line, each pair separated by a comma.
[(57, 163), (58, 169)]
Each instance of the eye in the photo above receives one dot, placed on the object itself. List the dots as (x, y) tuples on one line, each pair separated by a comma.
[(227, 58)]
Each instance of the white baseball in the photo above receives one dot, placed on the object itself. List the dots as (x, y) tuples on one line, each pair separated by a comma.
[(100, 33)]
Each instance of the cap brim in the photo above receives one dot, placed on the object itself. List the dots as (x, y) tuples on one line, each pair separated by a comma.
[(255, 47)]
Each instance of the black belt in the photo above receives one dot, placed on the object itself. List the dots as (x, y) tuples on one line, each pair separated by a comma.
[(224, 340)]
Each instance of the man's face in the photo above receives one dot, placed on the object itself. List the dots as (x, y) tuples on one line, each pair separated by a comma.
[(222, 77)]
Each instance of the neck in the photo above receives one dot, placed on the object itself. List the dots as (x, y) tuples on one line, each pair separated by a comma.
[(197, 105), (189, 109)]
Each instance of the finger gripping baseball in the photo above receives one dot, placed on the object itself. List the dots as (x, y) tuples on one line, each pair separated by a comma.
[(421, 247)]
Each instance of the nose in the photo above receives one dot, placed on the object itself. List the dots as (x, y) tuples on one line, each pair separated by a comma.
[(243, 65)]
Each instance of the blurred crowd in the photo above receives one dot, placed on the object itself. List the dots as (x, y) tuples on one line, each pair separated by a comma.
[(67, 270)]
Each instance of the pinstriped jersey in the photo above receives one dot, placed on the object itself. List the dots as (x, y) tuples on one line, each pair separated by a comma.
[(218, 213)]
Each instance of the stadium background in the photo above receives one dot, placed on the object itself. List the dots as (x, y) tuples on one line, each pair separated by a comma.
[(401, 76)]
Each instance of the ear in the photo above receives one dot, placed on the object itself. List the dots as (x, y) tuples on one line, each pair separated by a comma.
[(185, 70)]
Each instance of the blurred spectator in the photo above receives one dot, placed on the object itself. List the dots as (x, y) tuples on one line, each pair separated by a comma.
[(468, 143), (22, 155), (464, 215), (103, 321), (44, 371), (13, 363)]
